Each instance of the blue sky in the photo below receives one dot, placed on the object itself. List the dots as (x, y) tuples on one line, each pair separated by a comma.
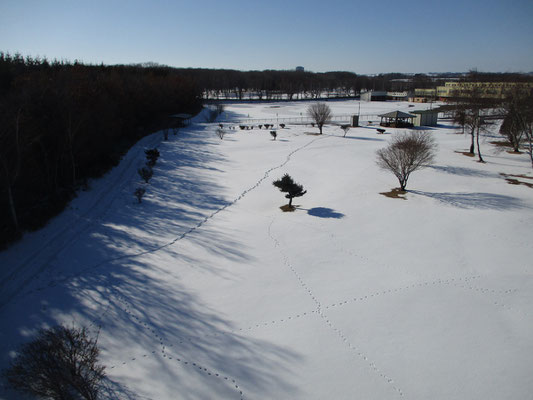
[(368, 36)]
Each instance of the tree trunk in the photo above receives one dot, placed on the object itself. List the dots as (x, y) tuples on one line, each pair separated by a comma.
[(290, 201), (478, 148), (403, 184), (10, 179), (320, 128), (12, 208), (70, 140), (530, 142), (472, 143)]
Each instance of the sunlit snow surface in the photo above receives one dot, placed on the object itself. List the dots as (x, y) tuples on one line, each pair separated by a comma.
[(207, 290)]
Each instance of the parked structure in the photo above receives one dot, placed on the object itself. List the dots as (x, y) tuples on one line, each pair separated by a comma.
[(398, 96), (425, 117), (374, 95), (415, 99), (397, 119), (425, 93)]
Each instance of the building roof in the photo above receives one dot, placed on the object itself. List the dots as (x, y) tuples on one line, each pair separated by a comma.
[(376, 92), (397, 114), (425, 112)]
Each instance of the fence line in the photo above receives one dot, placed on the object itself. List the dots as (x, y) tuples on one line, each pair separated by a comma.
[(341, 118), (336, 119)]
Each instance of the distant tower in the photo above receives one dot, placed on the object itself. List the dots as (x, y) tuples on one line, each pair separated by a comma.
[(300, 69)]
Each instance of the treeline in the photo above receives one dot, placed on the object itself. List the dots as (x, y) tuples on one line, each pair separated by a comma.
[(62, 123), (475, 76), (219, 84)]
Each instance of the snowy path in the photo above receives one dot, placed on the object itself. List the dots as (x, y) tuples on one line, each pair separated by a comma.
[(207, 290), (70, 226)]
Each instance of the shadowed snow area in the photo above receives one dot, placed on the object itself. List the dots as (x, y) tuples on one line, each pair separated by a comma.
[(324, 212), (207, 290)]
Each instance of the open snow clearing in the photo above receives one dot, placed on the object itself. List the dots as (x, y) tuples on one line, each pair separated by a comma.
[(208, 290)]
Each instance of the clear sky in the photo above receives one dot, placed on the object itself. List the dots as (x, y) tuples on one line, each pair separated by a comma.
[(370, 36)]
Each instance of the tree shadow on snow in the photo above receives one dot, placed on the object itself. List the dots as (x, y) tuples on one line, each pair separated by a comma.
[(139, 311), (112, 276), (324, 212), (364, 138), (483, 201), (461, 171)]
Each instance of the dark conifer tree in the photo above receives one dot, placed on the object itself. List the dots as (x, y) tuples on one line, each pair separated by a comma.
[(287, 185)]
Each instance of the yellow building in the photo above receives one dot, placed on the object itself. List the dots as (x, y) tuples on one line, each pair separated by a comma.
[(425, 92), (492, 90)]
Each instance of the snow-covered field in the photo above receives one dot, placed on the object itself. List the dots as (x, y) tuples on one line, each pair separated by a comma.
[(207, 290)]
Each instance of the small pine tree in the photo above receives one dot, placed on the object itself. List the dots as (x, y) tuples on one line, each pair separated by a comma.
[(287, 185), (345, 128), (139, 193), (274, 134), (151, 155), (145, 173)]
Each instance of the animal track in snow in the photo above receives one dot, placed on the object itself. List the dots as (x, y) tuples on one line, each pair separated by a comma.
[(319, 311), (93, 267), (164, 349)]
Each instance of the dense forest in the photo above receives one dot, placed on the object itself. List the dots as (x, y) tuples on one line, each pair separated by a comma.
[(62, 123)]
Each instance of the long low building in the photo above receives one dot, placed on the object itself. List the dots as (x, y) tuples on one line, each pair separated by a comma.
[(425, 117), (374, 95), (492, 90)]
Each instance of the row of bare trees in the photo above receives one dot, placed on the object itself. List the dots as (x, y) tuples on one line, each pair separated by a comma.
[(290, 84), (474, 112), (517, 124), (275, 85), (469, 113), (62, 123)]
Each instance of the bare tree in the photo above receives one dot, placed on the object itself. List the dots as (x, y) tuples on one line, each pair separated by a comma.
[(518, 120), (511, 128), (526, 118), (60, 363), (407, 153), (470, 106), (320, 113), (459, 117)]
